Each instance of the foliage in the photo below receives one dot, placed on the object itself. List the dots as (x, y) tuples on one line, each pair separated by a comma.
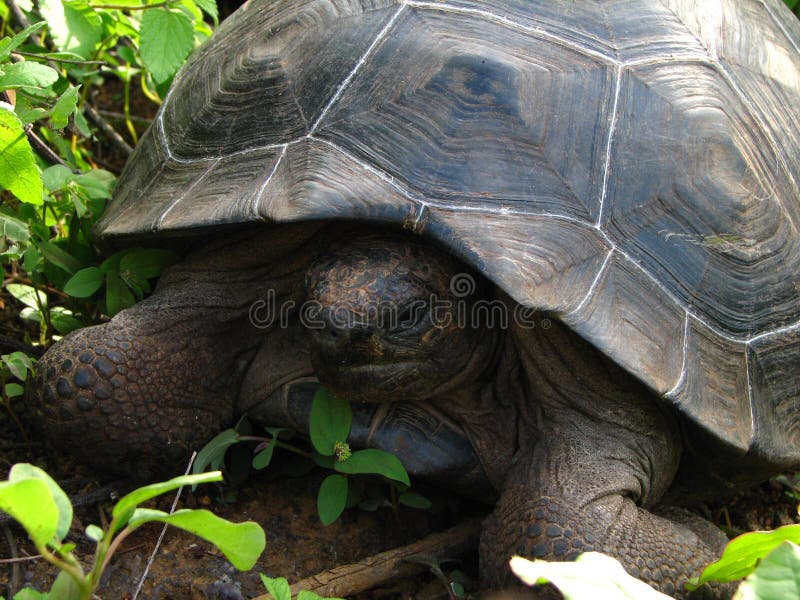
[(329, 427), (591, 575), (743, 554), (769, 560), (279, 589), (794, 6), (51, 187), (34, 499)]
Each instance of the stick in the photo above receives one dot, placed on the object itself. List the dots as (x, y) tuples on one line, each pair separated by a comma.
[(346, 580), (108, 131)]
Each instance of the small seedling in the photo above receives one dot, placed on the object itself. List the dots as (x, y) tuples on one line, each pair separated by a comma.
[(329, 427), (279, 589), (37, 502)]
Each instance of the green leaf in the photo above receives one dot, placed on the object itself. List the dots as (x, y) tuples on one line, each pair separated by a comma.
[(59, 257), (414, 500), (97, 184), (263, 458), (14, 390), (30, 594), (18, 364), (118, 296), (20, 174), (210, 8), (30, 503), (329, 422), (64, 107), (124, 509), (147, 263), (377, 462), (241, 543), (64, 588), (56, 177), (214, 451), (74, 26), (8, 45), (14, 229), (84, 283), (63, 321), (94, 533), (278, 587), (306, 595), (331, 498), (28, 74), (165, 40), (592, 575), (24, 472), (27, 295), (742, 554), (777, 576)]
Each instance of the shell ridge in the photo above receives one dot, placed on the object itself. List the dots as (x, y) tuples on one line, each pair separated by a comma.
[(673, 393), (538, 31), (611, 129), (780, 25), (595, 283), (257, 196), (176, 201), (342, 86)]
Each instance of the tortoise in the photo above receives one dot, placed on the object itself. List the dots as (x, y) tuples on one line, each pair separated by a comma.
[(607, 190)]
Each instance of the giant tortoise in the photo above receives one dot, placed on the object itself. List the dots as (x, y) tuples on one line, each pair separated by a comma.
[(607, 190)]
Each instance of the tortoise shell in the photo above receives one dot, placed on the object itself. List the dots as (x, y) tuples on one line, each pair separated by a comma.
[(632, 167)]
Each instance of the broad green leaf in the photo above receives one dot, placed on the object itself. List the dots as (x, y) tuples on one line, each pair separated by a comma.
[(264, 457), (14, 390), (331, 498), (377, 462), (56, 177), (210, 8), (277, 586), (30, 503), (20, 174), (213, 452), (147, 263), (97, 183), (64, 588), (25, 471), (59, 257), (14, 229), (165, 40), (118, 296), (63, 321), (591, 575), (85, 282), (18, 363), (8, 45), (306, 595), (777, 577), (329, 422), (27, 295), (127, 504), (64, 107), (742, 554), (414, 500), (241, 543), (26, 74), (74, 26), (30, 594)]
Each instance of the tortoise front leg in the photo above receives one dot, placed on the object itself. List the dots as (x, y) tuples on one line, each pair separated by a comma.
[(584, 489)]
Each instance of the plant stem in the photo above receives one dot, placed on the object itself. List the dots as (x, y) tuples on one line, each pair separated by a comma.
[(139, 7), (278, 444)]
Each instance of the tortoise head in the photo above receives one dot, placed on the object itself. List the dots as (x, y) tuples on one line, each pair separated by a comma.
[(388, 321)]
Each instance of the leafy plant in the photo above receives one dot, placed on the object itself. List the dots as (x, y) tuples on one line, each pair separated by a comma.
[(279, 589), (329, 427), (34, 499)]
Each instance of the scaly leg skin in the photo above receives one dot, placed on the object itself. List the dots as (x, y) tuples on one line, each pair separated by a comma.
[(579, 492), (135, 396)]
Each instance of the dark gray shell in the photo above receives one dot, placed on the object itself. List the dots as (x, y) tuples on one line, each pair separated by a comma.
[(631, 166)]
